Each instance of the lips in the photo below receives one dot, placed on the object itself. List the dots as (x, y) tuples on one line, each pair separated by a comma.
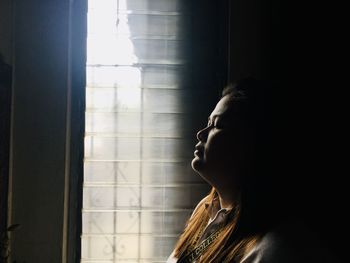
[(199, 150)]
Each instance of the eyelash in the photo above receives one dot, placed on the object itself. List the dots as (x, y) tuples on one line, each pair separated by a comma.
[(213, 125)]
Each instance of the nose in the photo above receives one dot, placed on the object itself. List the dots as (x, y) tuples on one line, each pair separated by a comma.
[(202, 135)]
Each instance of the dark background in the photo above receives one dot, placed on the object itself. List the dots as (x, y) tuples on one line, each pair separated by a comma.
[(299, 46)]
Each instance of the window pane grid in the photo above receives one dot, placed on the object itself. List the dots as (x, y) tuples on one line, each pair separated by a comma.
[(139, 188)]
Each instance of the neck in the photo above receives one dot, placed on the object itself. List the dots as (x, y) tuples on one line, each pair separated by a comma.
[(226, 187), (228, 197)]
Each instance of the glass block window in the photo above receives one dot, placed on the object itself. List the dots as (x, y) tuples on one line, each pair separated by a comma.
[(139, 188)]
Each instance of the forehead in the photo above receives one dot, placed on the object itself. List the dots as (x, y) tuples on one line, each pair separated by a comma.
[(223, 107)]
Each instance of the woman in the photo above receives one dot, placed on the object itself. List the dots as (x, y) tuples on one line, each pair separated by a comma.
[(241, 153)]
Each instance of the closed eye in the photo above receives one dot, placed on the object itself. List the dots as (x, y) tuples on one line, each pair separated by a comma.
[(217, 126), (215, 123)]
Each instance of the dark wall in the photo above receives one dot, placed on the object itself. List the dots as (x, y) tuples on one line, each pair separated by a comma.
[(38, 145), (300, 47), (317, 70), (5, 104), (6, 30), (5, 107), (45, 159)]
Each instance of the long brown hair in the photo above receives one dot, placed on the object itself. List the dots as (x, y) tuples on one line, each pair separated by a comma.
[(225, 248), (259, 207)]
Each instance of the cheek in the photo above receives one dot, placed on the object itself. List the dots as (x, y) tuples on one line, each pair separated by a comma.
[(220, 149)]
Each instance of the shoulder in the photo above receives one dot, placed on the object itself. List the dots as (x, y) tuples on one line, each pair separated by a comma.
[(289, 242)]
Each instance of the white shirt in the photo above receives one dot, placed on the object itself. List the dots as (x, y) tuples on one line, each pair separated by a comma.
[(290, 242), (217, 216)]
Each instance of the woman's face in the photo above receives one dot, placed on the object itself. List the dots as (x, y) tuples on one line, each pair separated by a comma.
[(221, 149)]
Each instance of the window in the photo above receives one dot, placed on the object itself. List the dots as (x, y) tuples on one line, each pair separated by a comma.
[(139, 188)]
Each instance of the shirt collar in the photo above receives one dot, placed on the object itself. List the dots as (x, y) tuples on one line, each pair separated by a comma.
[(214, 207)]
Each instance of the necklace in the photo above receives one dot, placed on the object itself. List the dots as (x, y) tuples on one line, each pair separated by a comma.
[(197, 251)]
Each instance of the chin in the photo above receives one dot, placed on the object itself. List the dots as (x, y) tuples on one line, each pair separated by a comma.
[(197, 164), (202, 168), (198, 167)]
